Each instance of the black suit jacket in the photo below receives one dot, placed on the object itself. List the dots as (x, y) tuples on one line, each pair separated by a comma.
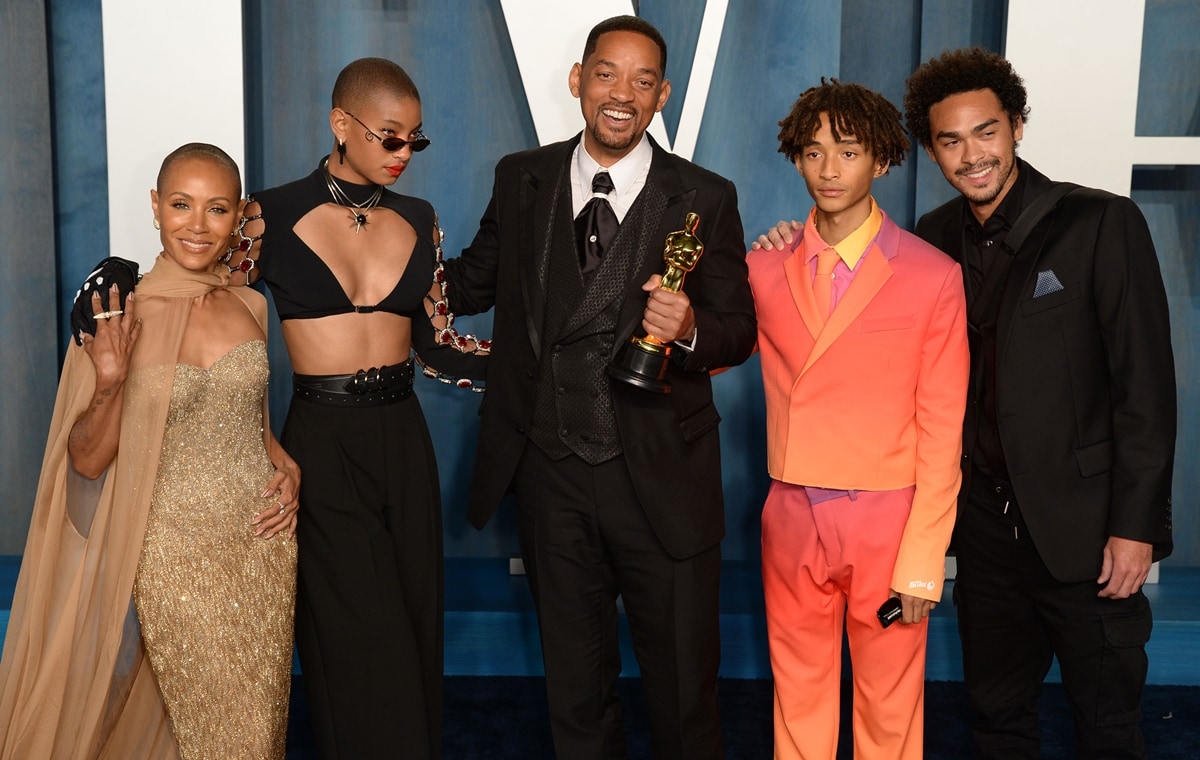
[(1085, 378), (670, 441)]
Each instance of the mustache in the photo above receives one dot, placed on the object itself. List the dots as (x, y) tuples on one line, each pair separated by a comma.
[(622, 107), (978, 167)]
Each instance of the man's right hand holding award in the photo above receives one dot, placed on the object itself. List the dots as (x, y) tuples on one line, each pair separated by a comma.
[(643, 361)]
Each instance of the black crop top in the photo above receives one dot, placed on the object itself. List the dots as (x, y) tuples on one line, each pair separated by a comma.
[(304, 287), (301, 283)]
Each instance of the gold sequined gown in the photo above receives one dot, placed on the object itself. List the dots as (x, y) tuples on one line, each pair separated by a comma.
[(214, 601)]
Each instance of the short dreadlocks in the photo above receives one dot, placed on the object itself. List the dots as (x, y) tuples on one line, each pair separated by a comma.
[(853, 110)]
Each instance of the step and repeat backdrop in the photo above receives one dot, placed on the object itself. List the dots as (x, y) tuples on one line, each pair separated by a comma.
[(94, 93)]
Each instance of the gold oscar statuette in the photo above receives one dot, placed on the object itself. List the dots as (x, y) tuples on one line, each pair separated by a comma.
[(643, 361)]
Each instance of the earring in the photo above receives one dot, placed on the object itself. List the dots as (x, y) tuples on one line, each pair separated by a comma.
[(157, 224), (341, 151)]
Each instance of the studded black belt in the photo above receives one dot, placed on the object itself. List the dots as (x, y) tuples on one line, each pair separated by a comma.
[(367, 387)]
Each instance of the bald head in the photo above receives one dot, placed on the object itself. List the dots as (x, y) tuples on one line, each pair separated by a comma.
[(202, 151)]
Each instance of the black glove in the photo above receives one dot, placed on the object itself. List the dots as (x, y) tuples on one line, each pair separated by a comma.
[(123, 272)]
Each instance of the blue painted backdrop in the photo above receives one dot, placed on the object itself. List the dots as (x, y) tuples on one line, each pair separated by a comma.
[(475, 111)]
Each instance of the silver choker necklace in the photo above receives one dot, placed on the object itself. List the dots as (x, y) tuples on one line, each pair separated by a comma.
[(358, 211)]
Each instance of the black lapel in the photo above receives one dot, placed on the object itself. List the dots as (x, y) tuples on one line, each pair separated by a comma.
[(1025, 263), (1020, 280), (671, 197), (541, 183)]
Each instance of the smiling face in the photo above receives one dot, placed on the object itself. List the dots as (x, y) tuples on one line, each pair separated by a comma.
[(838, 174), (975, 144), (620, 87), (367, 162), (198, 207)]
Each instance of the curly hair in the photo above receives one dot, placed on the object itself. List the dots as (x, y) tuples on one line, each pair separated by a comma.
[(853, 110), (957, 71), (367, 77)]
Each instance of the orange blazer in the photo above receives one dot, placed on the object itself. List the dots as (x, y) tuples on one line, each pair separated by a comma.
[(872, 400)]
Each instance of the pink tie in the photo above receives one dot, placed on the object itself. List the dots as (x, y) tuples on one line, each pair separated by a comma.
[(823, 282)]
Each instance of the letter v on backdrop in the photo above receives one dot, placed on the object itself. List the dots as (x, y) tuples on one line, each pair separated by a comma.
[(548, 36)]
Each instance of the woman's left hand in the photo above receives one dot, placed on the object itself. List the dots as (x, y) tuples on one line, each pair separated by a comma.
[(284, 491)]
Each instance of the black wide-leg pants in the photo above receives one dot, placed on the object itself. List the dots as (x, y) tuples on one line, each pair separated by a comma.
[(369, 600)]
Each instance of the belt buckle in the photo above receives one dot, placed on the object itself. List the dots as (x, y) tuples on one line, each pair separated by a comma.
[(366, 381)]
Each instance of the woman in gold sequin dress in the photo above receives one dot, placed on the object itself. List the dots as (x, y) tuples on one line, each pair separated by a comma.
[(153, 614)]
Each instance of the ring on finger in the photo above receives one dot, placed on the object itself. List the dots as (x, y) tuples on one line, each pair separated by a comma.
[(282, 509), (108, 314)]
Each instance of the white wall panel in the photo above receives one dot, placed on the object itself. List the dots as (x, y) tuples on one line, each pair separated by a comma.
[(172, 75), (1081, 60)]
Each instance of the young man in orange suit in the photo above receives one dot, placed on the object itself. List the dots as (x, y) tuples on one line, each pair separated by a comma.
[(862, 333)]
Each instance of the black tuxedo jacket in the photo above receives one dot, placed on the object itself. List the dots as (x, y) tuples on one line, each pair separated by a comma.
[(1085, 377), (670, 441)]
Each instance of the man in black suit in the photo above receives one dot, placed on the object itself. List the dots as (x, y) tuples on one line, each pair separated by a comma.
[(1069, 436), (618, 488)]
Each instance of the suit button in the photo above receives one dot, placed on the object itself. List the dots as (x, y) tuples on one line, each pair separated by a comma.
[(557, 349), (529, 374), (562, 391)]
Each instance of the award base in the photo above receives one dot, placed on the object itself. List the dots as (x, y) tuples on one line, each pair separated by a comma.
[(643, 362)]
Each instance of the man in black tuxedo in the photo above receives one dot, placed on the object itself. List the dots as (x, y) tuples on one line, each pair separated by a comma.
[(1069, 437), (618, 488)]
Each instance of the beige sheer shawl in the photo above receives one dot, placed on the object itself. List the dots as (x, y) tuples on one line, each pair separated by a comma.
[(74, 680)]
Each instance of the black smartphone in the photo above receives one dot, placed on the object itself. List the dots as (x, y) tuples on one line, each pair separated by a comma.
[(890, 611)]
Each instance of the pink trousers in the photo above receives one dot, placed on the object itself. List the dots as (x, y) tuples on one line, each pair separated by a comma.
[(827, 568)]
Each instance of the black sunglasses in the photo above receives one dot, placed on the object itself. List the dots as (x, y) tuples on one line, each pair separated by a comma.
[(418, 143)]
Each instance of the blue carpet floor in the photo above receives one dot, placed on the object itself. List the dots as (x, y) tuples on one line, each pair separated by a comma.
[(503, 718)]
